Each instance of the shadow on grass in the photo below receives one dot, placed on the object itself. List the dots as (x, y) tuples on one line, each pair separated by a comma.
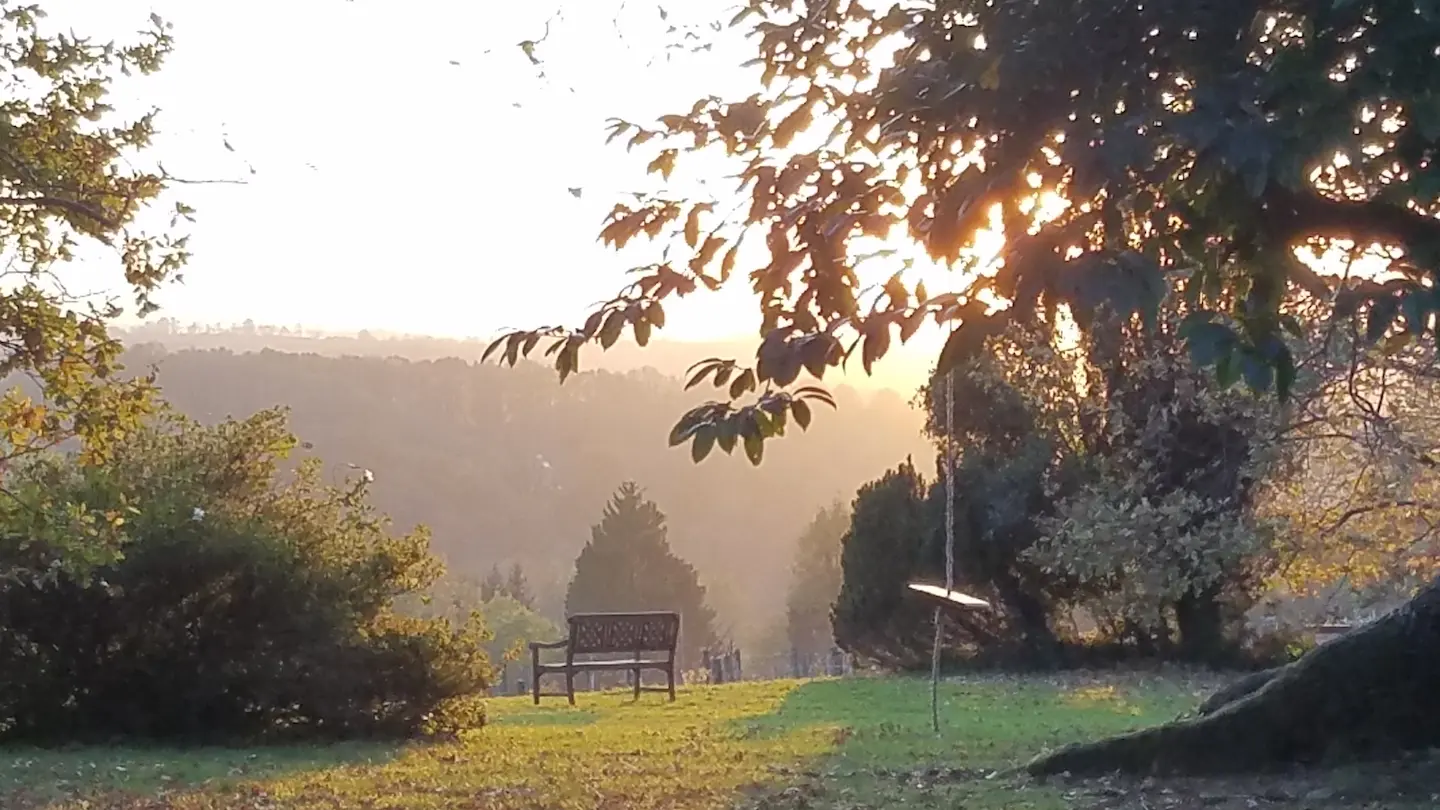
[(34, 776), (986, 722), (887, 753)]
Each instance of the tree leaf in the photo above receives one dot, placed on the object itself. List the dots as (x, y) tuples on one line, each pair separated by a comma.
[(1416, 306), (491, 349), (755, 447), (567, 362), (726, 435), (727, 265), (801, 411), (1380, 318), (681, 431), (877, 343), (815, 355), (744, 382), (1258, 372), (990, 79), (1209, 342), (613, 328), (1396, 343), (692, 227), (704, 441), (1284, 373), (592, 323), (664, 163), (617, 128), (911, 324)]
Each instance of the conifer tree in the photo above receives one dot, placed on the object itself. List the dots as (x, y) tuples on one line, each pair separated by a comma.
[(628, 566)]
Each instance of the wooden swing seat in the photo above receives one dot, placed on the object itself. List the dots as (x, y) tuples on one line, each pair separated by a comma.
[(952, 600)]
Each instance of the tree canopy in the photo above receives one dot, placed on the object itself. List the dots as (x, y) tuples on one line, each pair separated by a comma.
[(815, 581), (72, 190), (245, 601), (1114, 144)]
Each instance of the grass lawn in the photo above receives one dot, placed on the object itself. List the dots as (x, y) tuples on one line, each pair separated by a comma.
[(852, 744)]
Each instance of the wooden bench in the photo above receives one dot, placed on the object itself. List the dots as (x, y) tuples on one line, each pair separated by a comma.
[(609, 634)]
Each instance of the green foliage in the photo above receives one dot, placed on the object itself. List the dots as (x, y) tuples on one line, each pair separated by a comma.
[(494, 584), (1108, 476), (628, 566), (1117, 146), (509, 624), (517, 587), (815, 581), (551, 455), (514, 585), (1137, 479), (513, 626), (884, 547), (67, 164), (238, 601), (824, 744)]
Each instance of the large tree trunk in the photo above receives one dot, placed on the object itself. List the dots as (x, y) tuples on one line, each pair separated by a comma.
[(1200, 618), (1372, 692), (1042, 647)]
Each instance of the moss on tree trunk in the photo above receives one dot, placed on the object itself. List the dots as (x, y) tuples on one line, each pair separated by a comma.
[(1372, 692), (1242, 688)]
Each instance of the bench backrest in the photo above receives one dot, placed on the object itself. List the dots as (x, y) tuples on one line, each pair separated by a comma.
[(623, 633)]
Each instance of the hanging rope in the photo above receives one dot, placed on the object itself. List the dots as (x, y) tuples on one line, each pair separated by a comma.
[(949, 472)]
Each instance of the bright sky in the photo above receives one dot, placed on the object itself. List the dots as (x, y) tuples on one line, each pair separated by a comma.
[(396, 190)]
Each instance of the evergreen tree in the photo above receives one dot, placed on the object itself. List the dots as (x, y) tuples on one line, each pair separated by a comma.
[(628, 566), (494, 584), (882, 550), (815, 581), (517, 587)]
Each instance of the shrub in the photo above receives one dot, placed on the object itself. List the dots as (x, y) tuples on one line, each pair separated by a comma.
[(241, 602), (884, 548)]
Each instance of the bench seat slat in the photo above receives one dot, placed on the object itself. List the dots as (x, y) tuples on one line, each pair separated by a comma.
[(607, 664)]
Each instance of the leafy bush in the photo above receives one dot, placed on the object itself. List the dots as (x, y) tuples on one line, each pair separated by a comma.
[(882, 551), (1108, 483), (815, 582), (239, 601), (510, 625)]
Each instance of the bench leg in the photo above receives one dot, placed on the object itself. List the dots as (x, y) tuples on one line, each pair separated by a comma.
[(670, 678), (535, 686), (637, 684), (570, 685)]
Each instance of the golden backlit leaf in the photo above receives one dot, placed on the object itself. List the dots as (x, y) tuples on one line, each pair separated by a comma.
[(727, 264), (990, 79), (664, 163)]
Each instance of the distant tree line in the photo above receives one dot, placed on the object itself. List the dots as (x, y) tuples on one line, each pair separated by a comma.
[(504, 465)]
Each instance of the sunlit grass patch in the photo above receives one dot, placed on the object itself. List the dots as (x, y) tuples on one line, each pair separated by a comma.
[(608, 752), (856, 744), (891, 757), (627, 754)]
